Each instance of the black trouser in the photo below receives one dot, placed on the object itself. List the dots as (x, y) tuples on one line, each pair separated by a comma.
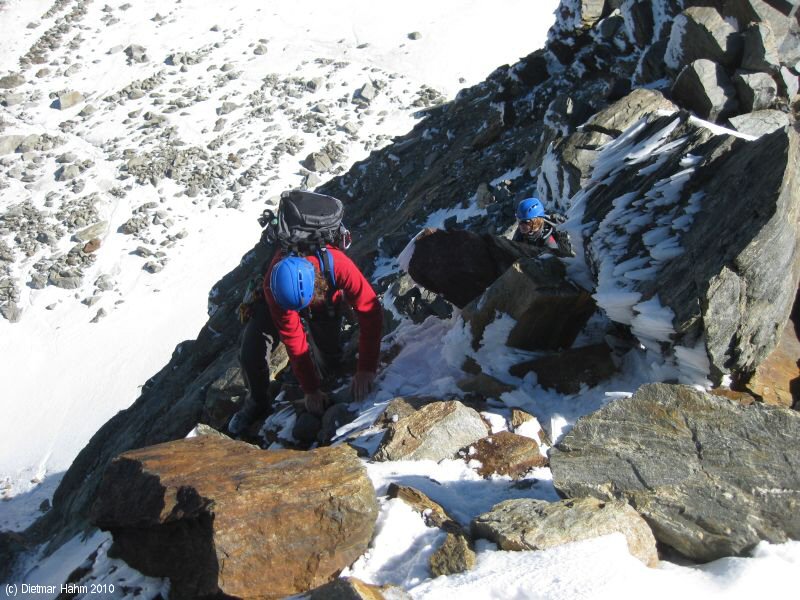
[(260, 337)]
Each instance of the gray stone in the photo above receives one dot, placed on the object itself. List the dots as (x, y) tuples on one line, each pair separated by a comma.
[(790, 83), (760, 52), (153, 266), (9, 143), (105, 283), (68, 173), (415, 35), (549, 310), (319, 162), (136, 54), (434, 432), (11, 81), (578, 151), (97, 230), (756, 91), (786, 31), (705, 34), (704, 88), (710, 475), (760, 122), (226, 108), (528, 524), (260, 50), (13, 99), (367, 92), (68, 100)]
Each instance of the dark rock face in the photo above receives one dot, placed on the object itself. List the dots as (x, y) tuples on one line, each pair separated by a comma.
[(653, 236), (566, 371), (217, 516), (549, 310), (711, 476), (704, 88)]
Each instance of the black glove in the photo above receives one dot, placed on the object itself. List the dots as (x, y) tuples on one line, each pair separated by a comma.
[(564, 243), (556, 218)]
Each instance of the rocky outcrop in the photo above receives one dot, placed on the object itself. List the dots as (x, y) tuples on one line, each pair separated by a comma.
[(434, 432), (528, 524), (217, 516), (711, 476), (653, 239), (548, 309)]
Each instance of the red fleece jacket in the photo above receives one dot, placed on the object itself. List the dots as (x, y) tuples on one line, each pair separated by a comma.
[(352, 287)]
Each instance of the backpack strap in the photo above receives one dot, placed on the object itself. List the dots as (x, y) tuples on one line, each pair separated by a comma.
[(326, 268)]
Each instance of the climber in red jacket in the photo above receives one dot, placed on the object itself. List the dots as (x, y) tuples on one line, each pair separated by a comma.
[(305, 297)]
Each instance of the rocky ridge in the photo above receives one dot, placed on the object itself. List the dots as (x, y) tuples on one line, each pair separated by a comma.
[(571, 135)]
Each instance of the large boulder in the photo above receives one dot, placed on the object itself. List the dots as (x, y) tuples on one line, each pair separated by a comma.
[(710, 475), (434, 432), (704, 88), (695, 245), (218, 516), (528, 524), (460, 264), (700, 32), (567, 371), (756, 91), (760, 122), (577, 153), (549, 310)]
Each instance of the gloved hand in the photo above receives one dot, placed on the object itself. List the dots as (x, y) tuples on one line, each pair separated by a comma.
[(362, 385), (316, 402), (556, 218), (564, 244)]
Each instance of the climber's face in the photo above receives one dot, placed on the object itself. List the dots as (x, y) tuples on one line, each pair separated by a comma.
[(531, 225)]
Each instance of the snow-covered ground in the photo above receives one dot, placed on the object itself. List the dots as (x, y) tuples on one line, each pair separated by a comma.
[(62, 377)]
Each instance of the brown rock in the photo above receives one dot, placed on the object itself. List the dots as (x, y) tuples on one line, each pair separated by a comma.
[(518, 417), (432, 512), (777, 379), (506, 453), (566, 371), (350, 588), (455, 555), (218, 516), (92, 245), (740, 397)]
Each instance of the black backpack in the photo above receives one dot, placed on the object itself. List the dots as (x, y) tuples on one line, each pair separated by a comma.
[(306, 222)]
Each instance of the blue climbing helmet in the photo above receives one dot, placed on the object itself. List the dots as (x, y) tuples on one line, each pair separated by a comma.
[(292, 283), (530, 208)]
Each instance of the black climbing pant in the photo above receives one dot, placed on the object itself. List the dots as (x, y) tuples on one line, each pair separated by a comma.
[(260, 337)]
